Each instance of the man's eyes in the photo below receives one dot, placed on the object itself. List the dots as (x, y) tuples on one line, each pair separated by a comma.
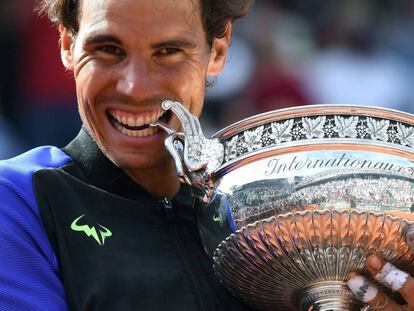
[(116, 51), (168, 51), (111, 49)]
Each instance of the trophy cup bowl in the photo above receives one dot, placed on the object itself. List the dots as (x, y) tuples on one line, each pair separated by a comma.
[(293, 200)]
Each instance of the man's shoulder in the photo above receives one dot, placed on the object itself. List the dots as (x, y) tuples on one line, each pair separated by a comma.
[(27, 256), (32, 161), (16, 173)]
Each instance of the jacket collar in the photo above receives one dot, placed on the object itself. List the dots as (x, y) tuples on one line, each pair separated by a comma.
[(92, 166)]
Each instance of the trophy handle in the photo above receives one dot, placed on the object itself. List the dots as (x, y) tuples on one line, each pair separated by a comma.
[(195, 156)]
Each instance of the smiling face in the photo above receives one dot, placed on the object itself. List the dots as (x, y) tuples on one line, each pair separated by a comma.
[(129, 56)]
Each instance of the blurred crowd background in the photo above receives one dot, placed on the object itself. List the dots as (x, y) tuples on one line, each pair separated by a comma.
[(286, 53)]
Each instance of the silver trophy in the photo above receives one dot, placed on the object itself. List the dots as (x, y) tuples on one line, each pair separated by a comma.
[(293, 200)]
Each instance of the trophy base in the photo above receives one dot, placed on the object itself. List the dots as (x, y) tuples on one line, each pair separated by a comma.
[(302, 259), (327, 296)]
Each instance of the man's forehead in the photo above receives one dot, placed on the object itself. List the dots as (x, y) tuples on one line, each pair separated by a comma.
[(111, 8), (140, 20)]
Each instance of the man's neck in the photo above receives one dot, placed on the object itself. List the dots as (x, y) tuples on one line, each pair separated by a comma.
[(161, 182)]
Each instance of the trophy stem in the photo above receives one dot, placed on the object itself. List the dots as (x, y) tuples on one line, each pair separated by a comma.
[(327, 296)]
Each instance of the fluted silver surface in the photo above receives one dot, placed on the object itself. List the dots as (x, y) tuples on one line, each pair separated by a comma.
[(295, 199), (273, 261)]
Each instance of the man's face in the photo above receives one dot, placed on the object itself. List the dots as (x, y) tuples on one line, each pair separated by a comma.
[(129, 56)]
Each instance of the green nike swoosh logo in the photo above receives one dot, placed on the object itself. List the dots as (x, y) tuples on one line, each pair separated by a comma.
[(91, 231)]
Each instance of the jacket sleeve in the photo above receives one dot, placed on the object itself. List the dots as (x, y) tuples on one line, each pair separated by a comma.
[(29, 272)]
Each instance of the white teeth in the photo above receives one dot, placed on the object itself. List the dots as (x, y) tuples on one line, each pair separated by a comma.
[(139, 121), (131, 120), (143, 133), (124, 119), (136, 120), (155, 116)]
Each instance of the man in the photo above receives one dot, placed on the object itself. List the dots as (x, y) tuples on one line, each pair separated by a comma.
[(103, 223)]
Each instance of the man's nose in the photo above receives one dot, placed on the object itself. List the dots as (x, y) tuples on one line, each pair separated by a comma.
[(137, 80)]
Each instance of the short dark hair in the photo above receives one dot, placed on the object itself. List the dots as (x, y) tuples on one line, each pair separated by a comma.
[(215, 14)]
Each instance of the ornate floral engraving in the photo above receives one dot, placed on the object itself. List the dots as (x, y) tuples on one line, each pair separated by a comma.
[(297, 132), (329, 129), (319, 127), (313, 128), (346, 127), (231, 148), (281, 132), (378, 129), (253, 139), (405, 135)]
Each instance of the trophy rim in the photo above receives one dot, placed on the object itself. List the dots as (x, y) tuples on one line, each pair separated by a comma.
[(321, 125), (313, 110)]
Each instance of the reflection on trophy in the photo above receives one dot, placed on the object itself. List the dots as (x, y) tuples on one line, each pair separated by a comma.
[(293, 200)]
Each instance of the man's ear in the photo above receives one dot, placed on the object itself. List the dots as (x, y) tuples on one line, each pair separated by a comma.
[(219, 51), (66, 47)]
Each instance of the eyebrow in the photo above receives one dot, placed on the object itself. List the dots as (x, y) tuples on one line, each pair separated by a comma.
[(99, 39), (102, 38), (174, 43)]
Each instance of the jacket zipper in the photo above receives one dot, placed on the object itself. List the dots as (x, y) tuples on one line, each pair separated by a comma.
[(169, 213)]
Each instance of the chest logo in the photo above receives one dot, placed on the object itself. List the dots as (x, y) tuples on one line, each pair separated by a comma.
[(98, 232)]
